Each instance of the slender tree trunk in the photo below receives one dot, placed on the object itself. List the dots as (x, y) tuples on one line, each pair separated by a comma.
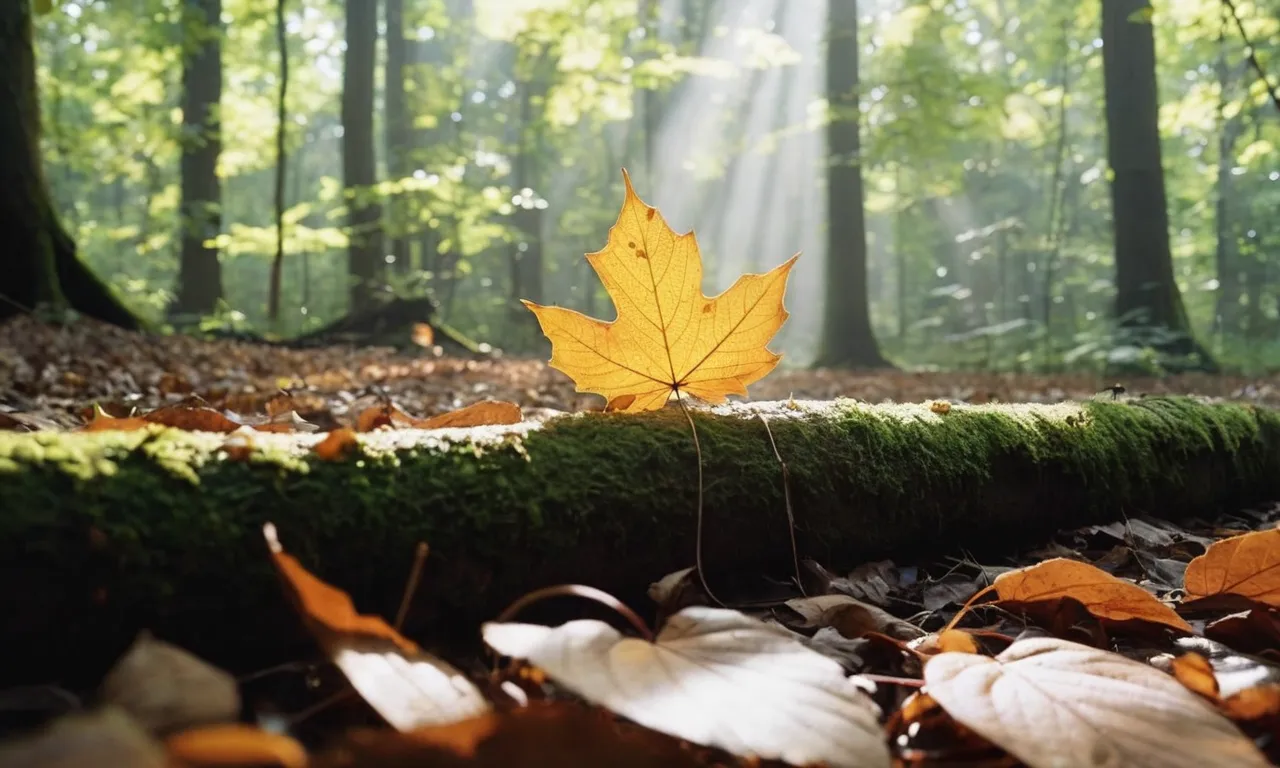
[(282, 162), (1226, 316), (364, 253), (847, 338), (398, 129), (38, 258), (199, 272), (1147, 297)]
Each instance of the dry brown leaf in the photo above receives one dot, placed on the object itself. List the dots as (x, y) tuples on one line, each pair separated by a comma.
[(715, 677), (1051, 703), (923, 734), (541, 734), (166, 688), (408, 687), (1246, 565), (1253, 703), (381, 415), (423, 335), (1195, 672), (484, 413), (1102, 594), (336, 444), (103, 422), (192, 419), (957, 641), (851, 618), (235, 745)]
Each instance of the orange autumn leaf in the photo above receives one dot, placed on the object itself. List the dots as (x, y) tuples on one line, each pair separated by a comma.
[(406, 686), (668, 337), (957, 641), (234, 744), (103, 421), (1246, 565), (192, 418), (1253, 703), (484, 413), (1195, 672), (423, 334), (1101, 594), (327, 610), (336, 444)]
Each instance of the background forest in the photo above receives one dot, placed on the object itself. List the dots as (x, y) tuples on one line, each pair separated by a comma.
[(470, 150)]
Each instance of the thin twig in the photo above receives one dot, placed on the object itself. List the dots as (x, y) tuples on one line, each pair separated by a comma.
[(288, 666), (1250, 53), (319, 706), (411, 586), (697, 448), (905, 682), (786, 495), (578, 590)]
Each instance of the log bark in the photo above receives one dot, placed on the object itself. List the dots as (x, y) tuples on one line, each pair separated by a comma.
[(111, 532)]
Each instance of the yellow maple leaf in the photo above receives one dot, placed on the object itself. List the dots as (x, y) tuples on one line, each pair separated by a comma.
[(669, 338)]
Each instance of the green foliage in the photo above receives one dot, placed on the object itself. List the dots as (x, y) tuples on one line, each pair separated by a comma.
[(984, 158)]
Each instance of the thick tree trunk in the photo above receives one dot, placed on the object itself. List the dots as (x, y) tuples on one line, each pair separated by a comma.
[(171, 537), (365, 265), (199, 272), (847, 338), (1147, 297), (398, 128), (38, 257)]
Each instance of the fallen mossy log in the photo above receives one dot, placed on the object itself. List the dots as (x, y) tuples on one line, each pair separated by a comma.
[(104, 533)]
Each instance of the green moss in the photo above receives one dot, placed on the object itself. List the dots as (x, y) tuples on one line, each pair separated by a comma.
[(598, 498)]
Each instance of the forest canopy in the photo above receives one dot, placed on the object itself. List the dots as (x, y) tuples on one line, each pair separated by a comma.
[(470, 150)]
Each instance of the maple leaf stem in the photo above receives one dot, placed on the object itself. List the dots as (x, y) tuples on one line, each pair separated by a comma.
[(697, 449), (411, 586), (786, 496)]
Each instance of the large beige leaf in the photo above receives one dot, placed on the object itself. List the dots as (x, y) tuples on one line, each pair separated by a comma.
[(714, 677), (1053, 703)]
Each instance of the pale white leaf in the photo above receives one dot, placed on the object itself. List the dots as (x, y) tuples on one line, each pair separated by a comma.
[(714, 677), (408, 691), (1052, 704)]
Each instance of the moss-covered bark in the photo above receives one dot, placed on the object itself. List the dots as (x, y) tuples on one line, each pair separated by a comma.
[(101, 533)]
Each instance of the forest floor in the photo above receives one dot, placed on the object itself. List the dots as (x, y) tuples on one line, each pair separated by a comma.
[(1099, 610), (52, 376)]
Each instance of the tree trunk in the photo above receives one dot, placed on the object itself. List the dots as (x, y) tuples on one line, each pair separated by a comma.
[(847, 338), (199, 272), (39, 258), (364, 252), (1147, 297), (282, 162), (398, 130), (1226, 316)]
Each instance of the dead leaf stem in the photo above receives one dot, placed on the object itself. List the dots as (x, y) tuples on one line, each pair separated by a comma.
[(411, 586), (786, 495), (577, 590)]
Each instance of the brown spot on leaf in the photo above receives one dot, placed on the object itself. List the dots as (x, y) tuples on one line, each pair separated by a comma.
[(649, 213)]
